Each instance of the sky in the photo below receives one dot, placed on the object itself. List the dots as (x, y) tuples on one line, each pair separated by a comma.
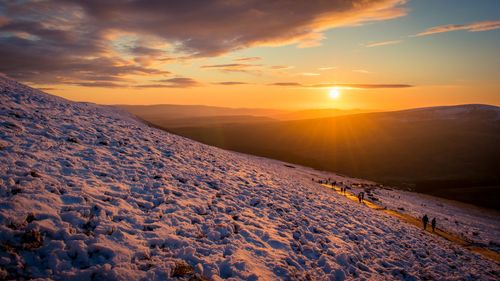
[(284, 54)]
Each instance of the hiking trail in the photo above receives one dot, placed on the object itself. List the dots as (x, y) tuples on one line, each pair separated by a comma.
[(466, 243)]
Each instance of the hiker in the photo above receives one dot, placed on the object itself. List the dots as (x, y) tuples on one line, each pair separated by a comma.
[(359, 197), (433, 224), (425, 220)]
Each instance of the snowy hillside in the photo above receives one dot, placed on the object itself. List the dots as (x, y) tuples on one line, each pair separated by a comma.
[(457, 112), (87, 192)]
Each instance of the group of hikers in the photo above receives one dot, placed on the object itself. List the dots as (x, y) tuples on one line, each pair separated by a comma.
[(425, 221), (361, 197)]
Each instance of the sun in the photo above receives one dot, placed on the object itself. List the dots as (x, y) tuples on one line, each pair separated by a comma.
[(334, 93)]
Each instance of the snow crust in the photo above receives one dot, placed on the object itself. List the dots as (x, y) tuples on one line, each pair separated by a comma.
[(87, 192), (484, 112)]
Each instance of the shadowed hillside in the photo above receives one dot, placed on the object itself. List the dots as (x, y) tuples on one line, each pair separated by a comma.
[(173, 116)]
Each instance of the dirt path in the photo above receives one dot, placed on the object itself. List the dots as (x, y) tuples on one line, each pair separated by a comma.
[(417, 222)]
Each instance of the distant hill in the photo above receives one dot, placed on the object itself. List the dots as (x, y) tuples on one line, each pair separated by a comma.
[(316, 113), (163, 122), (450, 151), (173, 116), (190, 111)]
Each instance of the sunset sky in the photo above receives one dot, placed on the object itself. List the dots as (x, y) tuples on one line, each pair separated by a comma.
[(383, 55)]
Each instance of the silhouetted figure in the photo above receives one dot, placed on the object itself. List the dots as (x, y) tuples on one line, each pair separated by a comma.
[(433, 224), (425, 220), (360, 197)]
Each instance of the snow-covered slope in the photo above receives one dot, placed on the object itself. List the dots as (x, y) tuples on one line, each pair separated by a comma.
[(462, 112), (87, 192)]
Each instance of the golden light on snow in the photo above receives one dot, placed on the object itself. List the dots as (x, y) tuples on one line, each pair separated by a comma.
[(334, 93)]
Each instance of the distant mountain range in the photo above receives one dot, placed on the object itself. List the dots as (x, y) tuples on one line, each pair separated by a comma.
[(170, 115), (449, 151)]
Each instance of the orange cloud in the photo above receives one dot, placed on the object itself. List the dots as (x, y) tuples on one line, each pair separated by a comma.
[(382, 43), (281, 67), (343, 85), (247, 59), (232, 67), (471, 27)]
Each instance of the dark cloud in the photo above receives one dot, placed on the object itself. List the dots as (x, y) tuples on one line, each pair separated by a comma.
[(355, 86), (101, 84), (294, 84), (30, 52), (63, 41), (212, 27), (231, 83), (247, 59), (364, 86), (233, 67), (29, 60), (46, 89), (146, 56), (178, 82), (146, 51)]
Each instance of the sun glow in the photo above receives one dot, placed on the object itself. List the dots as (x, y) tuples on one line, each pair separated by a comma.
[(334, 93)]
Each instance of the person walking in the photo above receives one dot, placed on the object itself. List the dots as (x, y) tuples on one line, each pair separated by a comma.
[(433, 224), (425, 220)]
